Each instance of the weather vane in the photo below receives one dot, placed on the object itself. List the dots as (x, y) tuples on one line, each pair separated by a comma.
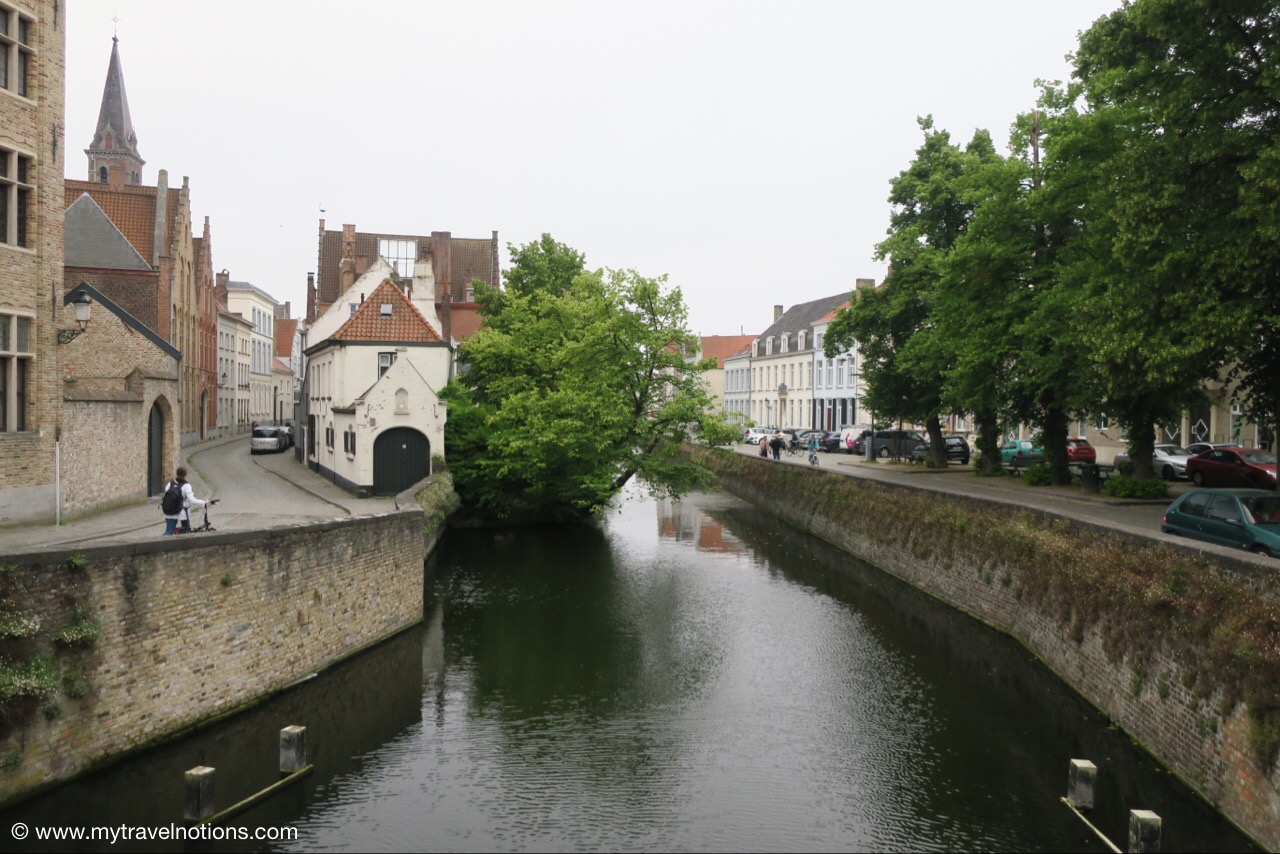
[(115, 24)]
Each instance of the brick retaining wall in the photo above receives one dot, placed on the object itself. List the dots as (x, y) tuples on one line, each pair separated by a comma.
[(193, 628), (1205, 744)]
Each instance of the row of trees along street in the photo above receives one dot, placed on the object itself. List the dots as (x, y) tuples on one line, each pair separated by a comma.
[(1125, 252)]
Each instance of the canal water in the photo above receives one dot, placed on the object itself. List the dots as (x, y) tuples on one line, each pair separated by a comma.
[(687, 675)]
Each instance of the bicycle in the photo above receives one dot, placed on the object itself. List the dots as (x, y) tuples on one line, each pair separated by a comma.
[(793, 449), (206, 525), (813, 456)]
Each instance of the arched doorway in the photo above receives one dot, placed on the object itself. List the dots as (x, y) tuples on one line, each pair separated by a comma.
[(155, 450), (401, 458)]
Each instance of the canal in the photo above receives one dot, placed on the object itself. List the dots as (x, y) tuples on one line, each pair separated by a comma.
[(687, 675)]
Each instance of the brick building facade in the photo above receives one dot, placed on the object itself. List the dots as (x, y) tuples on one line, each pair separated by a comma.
[(31, 245)]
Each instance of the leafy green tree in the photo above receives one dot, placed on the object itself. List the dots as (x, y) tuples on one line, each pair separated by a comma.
[(905, 360), (1190, 90), (576, 383)]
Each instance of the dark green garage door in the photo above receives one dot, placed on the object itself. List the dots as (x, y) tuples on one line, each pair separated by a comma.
[(401, 458)]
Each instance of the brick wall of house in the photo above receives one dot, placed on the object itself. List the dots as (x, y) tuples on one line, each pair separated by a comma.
[(30, 278), (1208, 748), (113, 376), (195, 627)]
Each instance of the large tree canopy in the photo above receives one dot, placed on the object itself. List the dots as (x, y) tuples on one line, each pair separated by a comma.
[(577, 382)]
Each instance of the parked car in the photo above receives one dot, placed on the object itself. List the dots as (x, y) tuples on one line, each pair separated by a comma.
[(1245, 467), (1023, 449), (268, 439), (957, 450), (831, 442), (1245, 518), (755, 434), (1171, 461), (1080, 451), (1200, 447), (887, 443)]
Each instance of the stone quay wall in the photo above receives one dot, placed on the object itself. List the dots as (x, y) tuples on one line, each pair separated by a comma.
[(1157, 637), (106, 650)]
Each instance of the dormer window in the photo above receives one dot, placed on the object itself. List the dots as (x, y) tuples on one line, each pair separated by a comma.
[(800, 346), (385, 310), (784, 343), (768, 346)]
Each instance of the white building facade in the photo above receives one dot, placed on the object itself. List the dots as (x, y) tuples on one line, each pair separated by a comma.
[(259, 308), (837, 390), (737, 384), (234, 337), (375, 363)]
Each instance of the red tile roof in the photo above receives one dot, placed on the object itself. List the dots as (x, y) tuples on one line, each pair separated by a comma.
[(403, 323), (832, 314), (285, 327), (719, 346), (132, 209)]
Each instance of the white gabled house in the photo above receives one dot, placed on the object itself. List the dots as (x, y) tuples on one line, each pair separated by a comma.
[(375, 365)]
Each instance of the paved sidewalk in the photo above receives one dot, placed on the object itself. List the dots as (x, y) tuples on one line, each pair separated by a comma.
[(1139, 518), (255, 491)]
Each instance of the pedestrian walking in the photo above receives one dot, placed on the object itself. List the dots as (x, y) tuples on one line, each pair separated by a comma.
[(178, 497), (776, 444)]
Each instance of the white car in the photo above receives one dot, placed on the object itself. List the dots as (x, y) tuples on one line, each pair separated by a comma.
[(755, 434)]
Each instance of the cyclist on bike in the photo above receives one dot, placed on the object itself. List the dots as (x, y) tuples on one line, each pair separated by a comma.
[(812, 444)]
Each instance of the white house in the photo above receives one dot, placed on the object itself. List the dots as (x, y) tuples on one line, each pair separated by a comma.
[(737, 383), (782, 363), (259, 308), (837, 387), (374, 418)]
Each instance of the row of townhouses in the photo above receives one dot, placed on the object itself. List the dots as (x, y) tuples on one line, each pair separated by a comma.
[(118, 341), (782, 377)]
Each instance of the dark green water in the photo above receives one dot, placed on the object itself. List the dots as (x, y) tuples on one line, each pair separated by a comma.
[(690, 676)]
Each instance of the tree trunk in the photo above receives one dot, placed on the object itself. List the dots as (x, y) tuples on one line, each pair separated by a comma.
[(1054, 429), (1142, 443), (989, 442), (937, 446)]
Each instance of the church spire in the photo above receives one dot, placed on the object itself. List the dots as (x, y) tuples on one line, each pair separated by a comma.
[(113, 154)]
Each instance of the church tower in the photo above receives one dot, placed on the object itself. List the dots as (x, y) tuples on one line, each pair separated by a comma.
[(113, 154)]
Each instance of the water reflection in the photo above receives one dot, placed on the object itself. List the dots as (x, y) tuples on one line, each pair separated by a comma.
[(687, 676)]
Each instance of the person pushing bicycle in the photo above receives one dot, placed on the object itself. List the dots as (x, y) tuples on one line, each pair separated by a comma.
[(812, 444)]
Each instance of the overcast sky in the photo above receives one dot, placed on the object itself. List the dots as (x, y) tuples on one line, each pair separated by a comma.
[(742, 148)]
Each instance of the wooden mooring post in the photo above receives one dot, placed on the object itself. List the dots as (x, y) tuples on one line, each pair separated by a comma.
[(197, 805), (1144, 825)]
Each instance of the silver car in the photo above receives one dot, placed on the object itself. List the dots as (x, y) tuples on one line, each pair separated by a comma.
[(1170, 461), (267, 440)]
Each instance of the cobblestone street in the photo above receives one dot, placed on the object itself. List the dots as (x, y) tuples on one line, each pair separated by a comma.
[(254, 491)]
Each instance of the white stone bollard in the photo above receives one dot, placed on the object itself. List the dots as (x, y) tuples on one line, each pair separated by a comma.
[(198, 803), (1080, 781), (293, 749), (1144, 832)]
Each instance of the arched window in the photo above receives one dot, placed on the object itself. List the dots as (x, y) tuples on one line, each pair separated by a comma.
[(102, 174)]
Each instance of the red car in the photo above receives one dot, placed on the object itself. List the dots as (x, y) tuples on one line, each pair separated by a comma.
[(1248, 467), (1080, 451)]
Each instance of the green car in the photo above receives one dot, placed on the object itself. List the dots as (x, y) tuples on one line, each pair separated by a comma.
[(1020, 448), (1248, 519)]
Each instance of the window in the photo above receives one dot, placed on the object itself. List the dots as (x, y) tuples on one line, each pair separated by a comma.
[(102, 174), (385, 309), (16, 172), (15, 369), (16, 52), (400, 254), (385, 361)]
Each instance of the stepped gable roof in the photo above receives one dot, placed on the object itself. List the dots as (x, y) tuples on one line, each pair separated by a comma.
[(113, 115), (92, 240), (403, 322), (719, 347), (285, 327), (470, 258), (802, 315)]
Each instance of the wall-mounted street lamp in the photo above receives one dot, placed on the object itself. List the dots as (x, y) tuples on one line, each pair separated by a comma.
[(83, 305)]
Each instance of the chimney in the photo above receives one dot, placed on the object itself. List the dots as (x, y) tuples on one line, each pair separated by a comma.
[(347, 266), (221, 280), (162, 201), (311, 296), (862, 284), (442, 258), (777, 313)]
